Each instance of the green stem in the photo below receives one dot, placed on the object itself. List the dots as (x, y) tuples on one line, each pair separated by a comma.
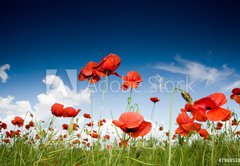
[(129, 100), (212, 153), (153, 112), (170, 127)]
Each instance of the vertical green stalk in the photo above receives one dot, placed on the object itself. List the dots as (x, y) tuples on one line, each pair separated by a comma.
[(212, 153), (91, 103), (170, 127), (153, 112), (129, 100)]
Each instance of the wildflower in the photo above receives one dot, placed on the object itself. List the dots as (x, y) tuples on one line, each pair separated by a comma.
[(108, 65), (65, 126), (17, 121), (210, 108), (186, 124), (59, 111), (89, 73), (123, 143), (90, 124), (203, 133), (87, 116), (3, 125), (236, 95), (160, 128), (154, 99), (6, 140), (219, 126), (133, 124), (235, 122), (131, 80), (95, 135), (106, 137)]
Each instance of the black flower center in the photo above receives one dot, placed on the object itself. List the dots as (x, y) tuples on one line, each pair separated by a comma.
[(208, 108)]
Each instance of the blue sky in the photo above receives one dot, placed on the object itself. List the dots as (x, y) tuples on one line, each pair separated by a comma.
[(175, 35)]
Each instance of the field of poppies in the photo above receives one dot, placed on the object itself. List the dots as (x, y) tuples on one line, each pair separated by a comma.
[(207, 132)]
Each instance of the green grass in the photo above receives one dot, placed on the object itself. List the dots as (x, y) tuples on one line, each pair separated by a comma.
[(51, 154)]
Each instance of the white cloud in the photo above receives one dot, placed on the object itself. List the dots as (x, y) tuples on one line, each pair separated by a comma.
[(58, 92), (196, 71), (229, 87), (3, 73), (8, 106)]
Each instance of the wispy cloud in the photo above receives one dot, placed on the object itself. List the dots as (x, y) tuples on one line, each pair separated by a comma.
[(229, 87), (196, 71), (3, 73)]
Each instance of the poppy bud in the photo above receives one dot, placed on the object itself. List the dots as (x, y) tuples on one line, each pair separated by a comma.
[(186, 96)]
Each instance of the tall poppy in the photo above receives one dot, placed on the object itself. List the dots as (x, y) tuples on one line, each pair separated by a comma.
[(87, 116), (186, 124), (57, 109), (154, 99), (89, 72), (18, 121), (108, 65), (133, 124), (131, 80), (236, 95), (70, 112), (210, 108)]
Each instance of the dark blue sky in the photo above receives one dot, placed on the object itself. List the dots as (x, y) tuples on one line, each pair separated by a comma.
[(42, 34)]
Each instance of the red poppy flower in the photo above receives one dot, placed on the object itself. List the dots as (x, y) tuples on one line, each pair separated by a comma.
[(88, 116), (6, 140), (236, 95), (235, 122), (219, 126), (133, 124), (57, 109), (27, 126), (186, 124), (204, 133), (70, 112), (18, 121), (95, 135), (123, 143), (31, 123), (160, 128), (107, 137), (3, 125), (210, 108), (90, 124), (131, 80), (65, 126), (108, 65), (154, 99), (89, 73), (104, 120)]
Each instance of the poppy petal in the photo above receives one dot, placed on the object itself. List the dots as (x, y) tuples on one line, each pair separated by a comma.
[(218, 114), (142, 130)]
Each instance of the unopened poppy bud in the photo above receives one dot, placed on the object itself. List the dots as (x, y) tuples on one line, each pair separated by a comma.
[(31, 115), (187, 97), (129, 99)]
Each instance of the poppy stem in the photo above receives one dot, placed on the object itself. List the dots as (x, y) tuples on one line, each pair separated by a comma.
[(129, 101), (170, 127), (153, 112)]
